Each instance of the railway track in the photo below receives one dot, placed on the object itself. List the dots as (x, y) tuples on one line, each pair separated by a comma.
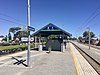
[(90, 59)]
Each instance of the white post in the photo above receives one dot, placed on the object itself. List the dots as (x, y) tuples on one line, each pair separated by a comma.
[(62, 47), (89, 38), (28, 22)]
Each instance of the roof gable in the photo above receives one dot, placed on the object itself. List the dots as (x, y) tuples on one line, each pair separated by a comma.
[(51, 28)]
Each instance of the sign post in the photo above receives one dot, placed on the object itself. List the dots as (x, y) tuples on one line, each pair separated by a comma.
[(28, 24)]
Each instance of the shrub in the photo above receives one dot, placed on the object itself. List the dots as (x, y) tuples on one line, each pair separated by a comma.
[(98, 43), (12, 49), (4, 44)]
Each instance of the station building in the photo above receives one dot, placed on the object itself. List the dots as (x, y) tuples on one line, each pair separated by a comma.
[(51, 36)]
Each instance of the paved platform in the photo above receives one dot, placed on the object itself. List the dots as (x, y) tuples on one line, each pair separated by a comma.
[(82, 66), (42, 63), (70, 62)]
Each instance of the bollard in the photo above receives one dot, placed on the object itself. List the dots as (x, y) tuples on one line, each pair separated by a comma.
[(49, 49), (62, 47), (40, 47)]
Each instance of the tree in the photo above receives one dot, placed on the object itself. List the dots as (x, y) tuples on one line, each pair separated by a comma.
[(14, 30), (5, 39), (86, 35), (21, 34), (80, 38), (9, 35)]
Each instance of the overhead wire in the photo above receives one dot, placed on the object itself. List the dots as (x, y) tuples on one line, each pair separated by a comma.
[(18, 21), (11, 17), (11, 21), (89, 19), (92, 19)]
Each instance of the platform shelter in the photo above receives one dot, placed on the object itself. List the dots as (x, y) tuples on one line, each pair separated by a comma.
[(50, 36)]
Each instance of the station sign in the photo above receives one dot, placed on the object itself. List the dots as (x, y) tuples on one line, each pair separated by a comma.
[(30, 28)]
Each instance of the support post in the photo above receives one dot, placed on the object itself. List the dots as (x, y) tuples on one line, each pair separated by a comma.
[(35, 41)]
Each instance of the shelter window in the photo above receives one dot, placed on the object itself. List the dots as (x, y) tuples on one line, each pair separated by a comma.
[(52, 28), (48, 28)]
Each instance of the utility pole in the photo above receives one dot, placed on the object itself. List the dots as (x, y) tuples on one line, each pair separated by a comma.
[(89, 36), (28, 24)]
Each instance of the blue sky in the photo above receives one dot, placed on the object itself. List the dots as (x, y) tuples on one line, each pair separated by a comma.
[(70, 15)]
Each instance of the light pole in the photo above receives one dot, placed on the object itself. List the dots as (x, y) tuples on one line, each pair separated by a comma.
[(89, 36), (28, 24)]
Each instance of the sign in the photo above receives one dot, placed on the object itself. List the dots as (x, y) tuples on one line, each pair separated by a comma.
[(30, 28)]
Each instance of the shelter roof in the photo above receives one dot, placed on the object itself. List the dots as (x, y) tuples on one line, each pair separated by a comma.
[(51, 29)]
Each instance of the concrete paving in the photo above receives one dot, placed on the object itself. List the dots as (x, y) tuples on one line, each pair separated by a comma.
[(42, 63)]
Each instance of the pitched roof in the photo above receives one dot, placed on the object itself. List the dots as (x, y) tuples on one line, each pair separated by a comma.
[(51, 29)]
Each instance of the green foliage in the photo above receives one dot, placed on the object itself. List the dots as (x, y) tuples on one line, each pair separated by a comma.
[(5, 39), (4, 44), (12, 47), (9, 36), (86, 34), (14, 30), (51, 36), (98, 43), (80, 38), (20, 34)]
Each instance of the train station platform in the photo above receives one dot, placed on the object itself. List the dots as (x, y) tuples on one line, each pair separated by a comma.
[(82, 66), (70, 62), (42, 63)]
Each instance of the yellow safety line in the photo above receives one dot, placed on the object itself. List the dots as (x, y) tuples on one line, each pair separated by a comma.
[(75, 63)]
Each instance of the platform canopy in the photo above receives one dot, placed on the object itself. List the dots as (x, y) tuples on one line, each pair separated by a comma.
[(51, 29)]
